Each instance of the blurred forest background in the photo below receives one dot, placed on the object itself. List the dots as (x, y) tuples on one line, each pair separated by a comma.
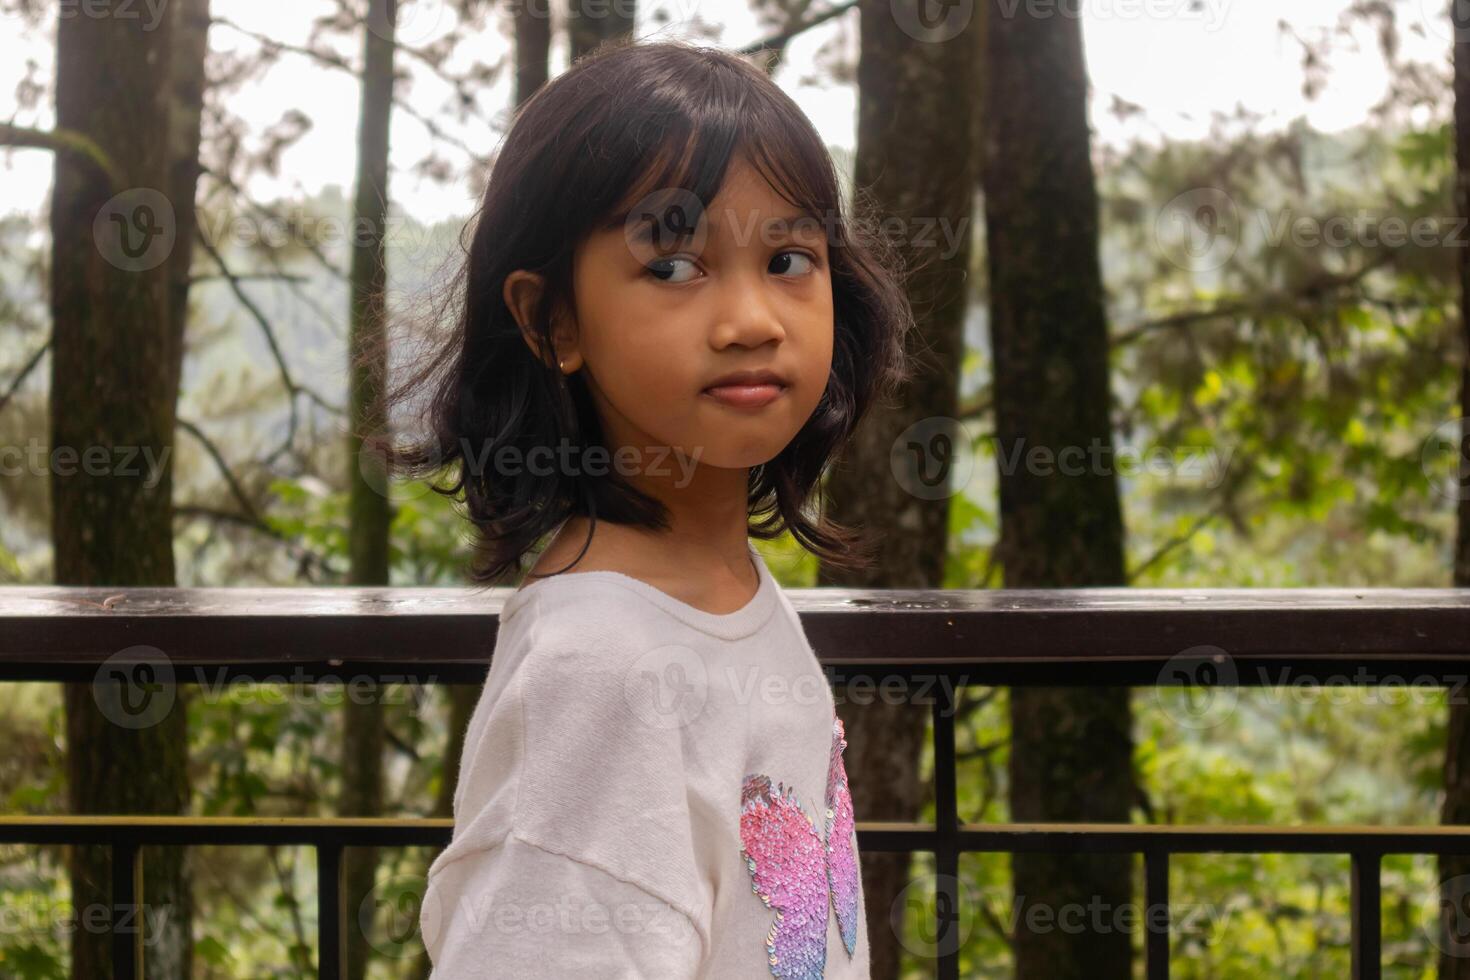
[(1264, 311)]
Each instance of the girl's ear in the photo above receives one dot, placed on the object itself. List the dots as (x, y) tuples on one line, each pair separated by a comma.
[(522, 293)]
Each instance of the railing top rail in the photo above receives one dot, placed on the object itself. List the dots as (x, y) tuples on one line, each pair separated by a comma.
[(394, 601), (1119, 635)]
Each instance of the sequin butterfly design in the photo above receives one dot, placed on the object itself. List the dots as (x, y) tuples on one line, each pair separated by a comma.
[(799, 874)]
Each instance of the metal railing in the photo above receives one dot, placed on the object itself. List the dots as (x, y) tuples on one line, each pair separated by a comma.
[(1137, 637)]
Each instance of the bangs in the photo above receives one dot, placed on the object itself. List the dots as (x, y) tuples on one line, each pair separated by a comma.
[(671, 183)]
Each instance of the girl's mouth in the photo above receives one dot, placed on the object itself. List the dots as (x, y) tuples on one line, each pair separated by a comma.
[(746, 396)]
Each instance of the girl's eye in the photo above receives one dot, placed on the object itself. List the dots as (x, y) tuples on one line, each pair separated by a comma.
[(661, 268), (800, 257), (666, 268)]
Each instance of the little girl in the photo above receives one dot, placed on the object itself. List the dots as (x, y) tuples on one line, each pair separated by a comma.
[(669, 329)]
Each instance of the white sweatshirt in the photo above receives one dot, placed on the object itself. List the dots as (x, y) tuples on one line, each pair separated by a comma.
[(649, 790)]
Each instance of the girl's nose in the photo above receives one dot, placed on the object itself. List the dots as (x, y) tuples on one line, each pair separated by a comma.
[(748, 318)]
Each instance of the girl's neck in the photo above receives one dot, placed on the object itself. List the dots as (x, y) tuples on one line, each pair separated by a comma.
[(707, 571)]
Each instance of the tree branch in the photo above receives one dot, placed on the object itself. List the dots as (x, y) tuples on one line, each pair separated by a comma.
[(20, 378), (778, 42), (292, 386), (330, 59), (250, 277), (236, 489), (305, 556), (311, 247), (1311, 290), (65, 141)]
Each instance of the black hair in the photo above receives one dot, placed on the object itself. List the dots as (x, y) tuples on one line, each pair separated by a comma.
[(630, 116)]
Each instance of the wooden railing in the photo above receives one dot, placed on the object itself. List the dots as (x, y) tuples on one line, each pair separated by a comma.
[(1214, 638)]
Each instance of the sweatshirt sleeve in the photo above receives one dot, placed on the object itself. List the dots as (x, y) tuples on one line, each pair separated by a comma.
[(519, 911), (582, 825)]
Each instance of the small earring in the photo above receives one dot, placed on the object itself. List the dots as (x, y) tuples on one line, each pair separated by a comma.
[(561, 363)]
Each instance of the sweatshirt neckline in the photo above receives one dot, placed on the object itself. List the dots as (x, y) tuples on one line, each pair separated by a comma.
[(732, 625)]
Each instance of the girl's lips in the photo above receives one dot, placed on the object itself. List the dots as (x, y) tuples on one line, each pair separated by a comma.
[(745, 396)]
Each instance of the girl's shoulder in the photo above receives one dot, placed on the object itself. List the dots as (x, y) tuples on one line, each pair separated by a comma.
[(577, 612), (575, 604)]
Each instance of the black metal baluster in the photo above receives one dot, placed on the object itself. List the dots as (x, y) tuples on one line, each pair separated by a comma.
[(1367, 917), (330, 912), (1156, 913), (127, 910), (946, 848)]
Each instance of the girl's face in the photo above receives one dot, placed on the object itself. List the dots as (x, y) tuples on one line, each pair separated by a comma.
[(658, 322)]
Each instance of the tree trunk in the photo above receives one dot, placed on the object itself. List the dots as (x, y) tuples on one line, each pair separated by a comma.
[(1454, 870), (1061, 524), (113, 397), (191, 46), (916, 158), (533, 48), (590, 22), (369, 510)]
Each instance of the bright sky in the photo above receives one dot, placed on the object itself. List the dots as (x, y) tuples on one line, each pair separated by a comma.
[(1180, 60)]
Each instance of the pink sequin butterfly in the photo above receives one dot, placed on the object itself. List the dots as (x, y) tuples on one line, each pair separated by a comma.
[(797, 873)]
